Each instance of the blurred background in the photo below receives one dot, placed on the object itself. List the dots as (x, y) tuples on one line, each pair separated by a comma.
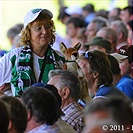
[(12, 12)]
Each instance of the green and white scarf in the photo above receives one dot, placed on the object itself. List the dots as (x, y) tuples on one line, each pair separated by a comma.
[(23, 74)]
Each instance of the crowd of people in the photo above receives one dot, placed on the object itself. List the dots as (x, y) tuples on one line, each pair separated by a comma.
[(38, 95)]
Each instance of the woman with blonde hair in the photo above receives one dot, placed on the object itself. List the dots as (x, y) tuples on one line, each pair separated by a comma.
[(32, 62)]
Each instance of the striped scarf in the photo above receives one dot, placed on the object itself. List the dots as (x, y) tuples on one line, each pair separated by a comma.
[(23, 75)]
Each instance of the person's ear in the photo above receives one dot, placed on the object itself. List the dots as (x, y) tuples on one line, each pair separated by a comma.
[(95, 74), (29, 115), (120, 35), (10, 125), (65, 93)]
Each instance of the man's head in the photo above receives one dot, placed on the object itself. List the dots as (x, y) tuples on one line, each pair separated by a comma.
[(99, 43), (18, 114), (67, 83), (87, 9), (125, 59), (121, 30), (94, 26), (96, 66), (114, 12), (54, 91), (11, 33), (73, 25), (4, 117), (41, 104), (108, 34), (126, 14), (112, 111)]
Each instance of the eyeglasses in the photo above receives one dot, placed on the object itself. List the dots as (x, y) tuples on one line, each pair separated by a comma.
[(88, 55), (41, 28)]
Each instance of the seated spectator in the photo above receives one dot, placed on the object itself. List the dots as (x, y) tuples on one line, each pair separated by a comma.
[(110, 35), (63, 16), (115, 12), (43, 110), (94, 26), (88, 13), (73, 25), (124, 83), (68, 86), (64, 126), (4, 117), (125, 59), (18, 115), (102, 13), (122, 33), (126, 14), (99, 43), (114, 18), (19, 26), (96, 67), (11, 33), (109, 116), (16, 41)]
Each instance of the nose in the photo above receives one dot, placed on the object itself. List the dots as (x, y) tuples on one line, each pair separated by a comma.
[(44, 30)]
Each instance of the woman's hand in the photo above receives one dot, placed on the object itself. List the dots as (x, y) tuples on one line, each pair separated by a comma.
[(5, 87)]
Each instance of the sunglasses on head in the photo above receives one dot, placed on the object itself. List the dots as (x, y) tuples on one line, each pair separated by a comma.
[(88, 55)]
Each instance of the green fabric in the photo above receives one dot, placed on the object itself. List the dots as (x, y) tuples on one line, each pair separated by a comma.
[(23, 74)]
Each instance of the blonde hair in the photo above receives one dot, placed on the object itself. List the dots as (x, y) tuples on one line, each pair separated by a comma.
[(25, 33)]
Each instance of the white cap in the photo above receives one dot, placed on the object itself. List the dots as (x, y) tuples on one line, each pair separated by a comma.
[(74, 9), (119, 56), (33, 14)]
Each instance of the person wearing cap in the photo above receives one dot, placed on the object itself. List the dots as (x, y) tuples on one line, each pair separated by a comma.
[(123, 83), (99, 43), (32, 62), (74, 10), (125, 59)]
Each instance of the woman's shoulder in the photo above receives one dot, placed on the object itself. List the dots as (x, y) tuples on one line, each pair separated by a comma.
[(13, 52)]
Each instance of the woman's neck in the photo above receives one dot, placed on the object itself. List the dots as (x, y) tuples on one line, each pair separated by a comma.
[(40, 51)]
